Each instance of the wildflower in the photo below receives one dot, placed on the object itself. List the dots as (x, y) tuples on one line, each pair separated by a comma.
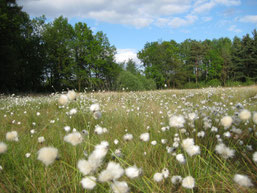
[(255, 157), (244, 115), (133, 172), (192, 116), (243, 180), (67, 128), (74, 138), (154, 142), (73, 111), (145, 136), (188, 182), (180, 157), (85, 167), (88, 182), (27, 155), (255, 117), (116, 141), (63, 100), (177, 121), (227, 134), (117, 153), (47, 155), (164, 141), (158, 177), (165, 172), (94, 107), (201, 134), (38, 113), (119, 187), (12, 136), (71, 95), (226, 121), (113, 172), (128, 137), (176, 180), (224, 151), (100, 130), (97, 115), (32, 131), (189, 147), (3, 147)]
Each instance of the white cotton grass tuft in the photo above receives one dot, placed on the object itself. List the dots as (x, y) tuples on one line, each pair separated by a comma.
[(100, 130), (71, 95), (133, 172), (88, 182), (63, 99), (243, 180), (3, 147), (95, 159), (120, 187), (226, 121), (74, 138), (41, 139), (145, 136), (255, 117), (47, 155), (177, 121), (113, 172), (224, 151), (245, 115), (95, 107), (188, 182), (97, 115), (158, 177), (165, 172), (176, 180), (189, 146), (128, 137), (12, 136), (67, 128), (255, 157), (181, 159)]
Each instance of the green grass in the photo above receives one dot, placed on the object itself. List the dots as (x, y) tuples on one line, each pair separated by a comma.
[(127, 112)]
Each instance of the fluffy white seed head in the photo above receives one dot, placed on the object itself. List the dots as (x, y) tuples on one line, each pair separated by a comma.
[(132, 172), (63, 99), (145, 136), (245, 115), (3, 147), (243, 180), (47, 155), (97, 115), (176, 180), (100, 130), (12, 136), (71, 95), (193, 150), (180, 157), (177, 121), (187, 143), (255, 117), (74, 138), (255, 157), (119, 187), (113, 172), (85, 167), (226, 121), (188, 182), (128, 137), (224, 151), (158, 177), (88, 182), (165, 172), (95, 107), (41, 139)]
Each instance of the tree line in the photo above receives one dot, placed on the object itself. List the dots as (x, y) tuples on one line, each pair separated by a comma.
[(50, 56)]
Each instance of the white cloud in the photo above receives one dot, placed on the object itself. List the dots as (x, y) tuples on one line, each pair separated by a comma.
[(249, 19), (233, 28), (206, 19), (179, 22), (202, 6), (123, 55)]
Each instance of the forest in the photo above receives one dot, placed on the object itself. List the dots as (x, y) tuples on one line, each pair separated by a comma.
[(41, 56)]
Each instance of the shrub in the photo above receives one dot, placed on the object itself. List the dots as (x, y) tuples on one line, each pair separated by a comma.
[(129, 81)]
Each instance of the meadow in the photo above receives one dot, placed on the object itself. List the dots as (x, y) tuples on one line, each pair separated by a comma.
[(198, 140)]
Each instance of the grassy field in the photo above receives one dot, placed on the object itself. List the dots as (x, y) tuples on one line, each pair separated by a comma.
[(131, 113)]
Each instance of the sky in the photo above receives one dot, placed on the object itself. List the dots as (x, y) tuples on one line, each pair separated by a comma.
[(130, 24)]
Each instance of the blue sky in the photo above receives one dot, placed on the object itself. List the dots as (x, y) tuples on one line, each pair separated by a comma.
[(129, 24)]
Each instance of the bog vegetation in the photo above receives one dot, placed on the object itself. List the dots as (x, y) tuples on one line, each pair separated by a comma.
[(201, 140), (50, 56)]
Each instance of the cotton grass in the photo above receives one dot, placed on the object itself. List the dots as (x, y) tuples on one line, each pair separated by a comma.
[(74, 138), (243, 180), (3, 147), (245, 115), (63, 99), (88, 182), (119, 187), (12, 136), (113, 172), (47, 155), (226, 121), (224, 151), (188, 182)]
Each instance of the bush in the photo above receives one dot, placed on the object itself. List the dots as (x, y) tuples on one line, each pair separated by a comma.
[(213, 83), (129, 81), (148, 84)]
